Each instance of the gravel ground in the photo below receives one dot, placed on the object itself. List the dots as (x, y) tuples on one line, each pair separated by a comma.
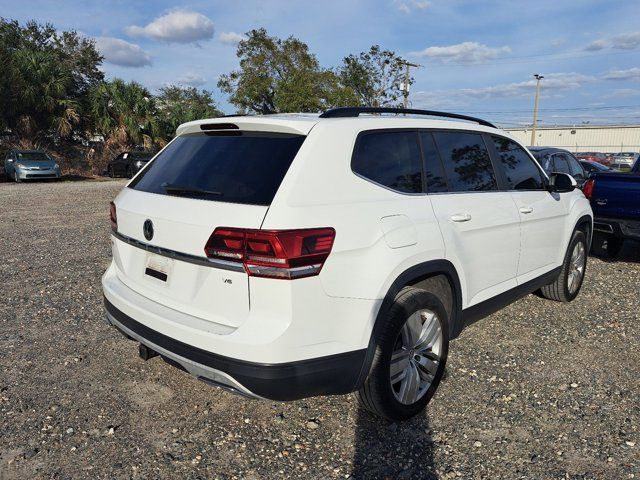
[(538, 390)]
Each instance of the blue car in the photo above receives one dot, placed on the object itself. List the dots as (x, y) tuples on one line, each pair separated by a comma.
[(22, 165)]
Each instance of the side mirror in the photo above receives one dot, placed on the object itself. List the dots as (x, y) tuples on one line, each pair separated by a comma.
[(561, 183)]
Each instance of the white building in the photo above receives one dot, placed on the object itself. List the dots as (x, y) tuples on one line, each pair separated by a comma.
[(584, 138)]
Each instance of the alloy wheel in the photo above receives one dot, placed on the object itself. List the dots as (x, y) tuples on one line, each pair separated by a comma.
[(416, 356), (576, 267)]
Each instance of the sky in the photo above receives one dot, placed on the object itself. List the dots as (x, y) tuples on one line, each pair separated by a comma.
[(477, 56)]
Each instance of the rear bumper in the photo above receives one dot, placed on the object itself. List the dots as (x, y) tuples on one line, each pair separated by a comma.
[(330, 375), (620, 227)]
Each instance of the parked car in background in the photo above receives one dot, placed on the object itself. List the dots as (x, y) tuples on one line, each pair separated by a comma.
[(127, 164), (22, 165), (283, 257), (624, 160), (553, 159), (598, 157), (595, 167), (615, 200)]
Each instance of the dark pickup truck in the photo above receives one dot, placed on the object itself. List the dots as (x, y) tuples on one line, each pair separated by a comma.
[(615, 200)]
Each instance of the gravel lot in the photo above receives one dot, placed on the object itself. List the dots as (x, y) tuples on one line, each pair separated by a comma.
[(538, 390)]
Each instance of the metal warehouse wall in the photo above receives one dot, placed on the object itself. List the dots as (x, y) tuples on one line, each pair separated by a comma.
[(593, 138)]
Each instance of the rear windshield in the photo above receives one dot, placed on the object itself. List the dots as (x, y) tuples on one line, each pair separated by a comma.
[(235, 167)]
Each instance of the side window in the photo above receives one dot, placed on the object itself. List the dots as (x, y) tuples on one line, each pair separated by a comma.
[(466, 161), (433, 168), (576, 169), (561, 163), (520, 171), (391, 159)]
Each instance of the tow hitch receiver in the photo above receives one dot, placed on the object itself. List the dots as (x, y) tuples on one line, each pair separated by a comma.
[(146, 353)]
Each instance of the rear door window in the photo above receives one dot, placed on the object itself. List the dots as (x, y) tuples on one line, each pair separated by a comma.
[(576, 169), (466, 161), (561, 163), (235, 167), (389, 158), (520, 171)]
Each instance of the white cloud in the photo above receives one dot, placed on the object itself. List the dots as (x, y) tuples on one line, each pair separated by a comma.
[(623, 93), (180, 26), (597, 45), (624, 41), (466, 52), (552, 83), (629, 74), (408, 6), (231, 38), (191, 79), (120, 52)]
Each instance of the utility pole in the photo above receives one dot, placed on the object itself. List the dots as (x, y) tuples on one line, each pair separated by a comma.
[(407, 78), (535, 109)]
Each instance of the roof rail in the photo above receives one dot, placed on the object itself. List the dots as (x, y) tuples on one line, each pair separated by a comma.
[(346, 112)]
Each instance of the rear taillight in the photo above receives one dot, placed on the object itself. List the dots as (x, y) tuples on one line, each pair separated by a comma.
[(587, 189), (113, 217), (285, 254)]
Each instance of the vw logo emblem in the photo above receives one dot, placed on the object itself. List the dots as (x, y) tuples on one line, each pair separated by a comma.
[(147, 229)]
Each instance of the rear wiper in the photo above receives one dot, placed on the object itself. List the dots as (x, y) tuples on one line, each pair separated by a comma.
[(172, 189)]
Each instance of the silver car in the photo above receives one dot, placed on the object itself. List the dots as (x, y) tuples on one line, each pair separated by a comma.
[(22, 165), (624, 160)]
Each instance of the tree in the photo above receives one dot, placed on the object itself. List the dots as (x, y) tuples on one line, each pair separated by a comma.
[(177, 105), (281, 76), (45, 79), (124, 113), (376, 76)]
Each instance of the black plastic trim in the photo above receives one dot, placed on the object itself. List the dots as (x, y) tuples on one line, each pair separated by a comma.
[(330, 375), (350, 112), (484, 309), (183, 257), (621, 227), (409, 276)]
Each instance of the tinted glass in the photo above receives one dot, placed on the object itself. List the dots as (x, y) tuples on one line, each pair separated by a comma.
[(466, 161), (433, 168), (243, 167), (391, 159), (35, 156), (520, 171), (574, 166), (561, 163)]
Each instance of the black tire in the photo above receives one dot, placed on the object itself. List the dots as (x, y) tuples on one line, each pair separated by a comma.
[(378, 395), (559, 289), (129, 172), (16, 178), (110, 171)]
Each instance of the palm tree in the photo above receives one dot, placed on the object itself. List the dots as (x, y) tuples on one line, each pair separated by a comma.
[(42, 94), (124, 113)]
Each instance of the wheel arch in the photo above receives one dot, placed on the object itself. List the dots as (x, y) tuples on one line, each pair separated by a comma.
[(419, 276), (585, 225)]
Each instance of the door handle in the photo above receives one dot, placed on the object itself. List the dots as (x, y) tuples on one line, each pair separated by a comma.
[(460, 217), (526, 210)]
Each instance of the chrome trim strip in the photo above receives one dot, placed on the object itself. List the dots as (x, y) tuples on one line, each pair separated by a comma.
[(183, 257)]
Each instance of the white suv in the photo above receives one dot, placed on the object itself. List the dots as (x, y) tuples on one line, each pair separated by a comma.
[(287, 256)]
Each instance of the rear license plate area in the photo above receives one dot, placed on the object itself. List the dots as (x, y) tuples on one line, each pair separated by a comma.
[(158, 267)]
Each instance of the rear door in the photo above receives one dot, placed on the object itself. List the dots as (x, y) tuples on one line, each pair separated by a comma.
[(480, 224), (542, 215), (167, 213)]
